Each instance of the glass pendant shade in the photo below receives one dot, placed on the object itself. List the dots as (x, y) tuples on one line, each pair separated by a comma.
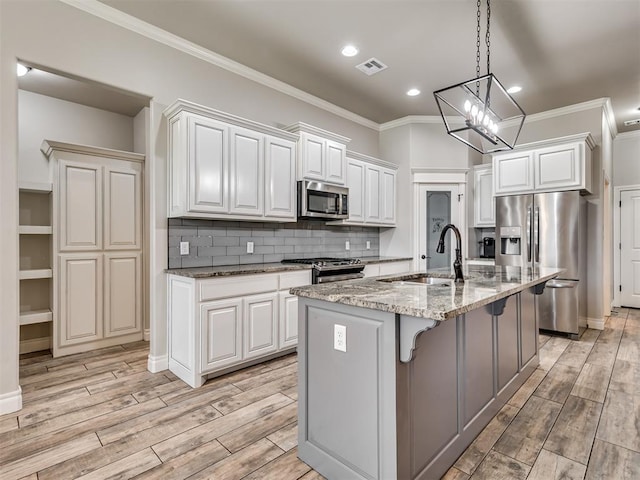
[(480, 113)]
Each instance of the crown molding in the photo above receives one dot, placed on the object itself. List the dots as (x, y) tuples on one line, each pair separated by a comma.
[(416, 119), (181, 105), (301, 127), (577, 107), (121, 19), (373, 160), (628, 135), (50, 146)]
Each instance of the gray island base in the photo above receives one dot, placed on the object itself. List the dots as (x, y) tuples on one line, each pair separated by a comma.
[(426, 368)]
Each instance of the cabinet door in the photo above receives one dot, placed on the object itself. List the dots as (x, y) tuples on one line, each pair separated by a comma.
[(80, 294), (387, 196), (80, 214), (246, 167), (507, 342), (312, 156), (558, 168), (372, 194), (208, 165), (280, 181), (288, 320), (355, 183), (484, 203), (336, 162), (513, 173), (260, 324), (123, 208), (122, 293), (220, 334)]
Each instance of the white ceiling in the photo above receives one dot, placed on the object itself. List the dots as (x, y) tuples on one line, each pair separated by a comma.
[(561, 52)]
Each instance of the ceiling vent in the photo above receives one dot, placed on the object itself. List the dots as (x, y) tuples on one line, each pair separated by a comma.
[(371, 66), (628, 123)]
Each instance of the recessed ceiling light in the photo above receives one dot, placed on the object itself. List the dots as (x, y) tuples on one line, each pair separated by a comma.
[(413, 92), (22, 70), (514, 89), (350, 51)]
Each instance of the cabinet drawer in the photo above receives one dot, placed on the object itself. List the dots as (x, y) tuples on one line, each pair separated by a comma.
[(236, 286), (295, 279)]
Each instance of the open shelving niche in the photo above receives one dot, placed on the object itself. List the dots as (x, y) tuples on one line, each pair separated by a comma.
[(35, 229)]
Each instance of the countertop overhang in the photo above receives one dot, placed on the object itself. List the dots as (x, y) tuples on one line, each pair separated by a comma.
[(484, 284)]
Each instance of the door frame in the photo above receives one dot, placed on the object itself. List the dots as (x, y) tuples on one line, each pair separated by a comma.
[(440, 178), (617, 274)]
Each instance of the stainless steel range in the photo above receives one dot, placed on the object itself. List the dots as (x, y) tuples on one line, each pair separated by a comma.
[(327, 269)]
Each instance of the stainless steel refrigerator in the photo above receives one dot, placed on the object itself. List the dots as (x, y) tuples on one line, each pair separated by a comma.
[(547, 229)]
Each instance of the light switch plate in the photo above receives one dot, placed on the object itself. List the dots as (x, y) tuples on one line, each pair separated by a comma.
[(368, 245), (249, 247), (347, 245), (184, 248)]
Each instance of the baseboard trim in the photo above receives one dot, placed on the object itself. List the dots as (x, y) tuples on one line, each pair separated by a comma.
[(146, 334), (35, 344), (11, 402), (157, 364), (583, 322), (595, 323)]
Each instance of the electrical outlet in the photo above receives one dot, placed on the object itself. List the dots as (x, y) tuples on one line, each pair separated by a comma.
[(184, 248), (368, 245), (249, 247), (347, 245), (340, 337)]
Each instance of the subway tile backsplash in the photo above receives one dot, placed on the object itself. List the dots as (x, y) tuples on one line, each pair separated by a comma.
[(218, 242)]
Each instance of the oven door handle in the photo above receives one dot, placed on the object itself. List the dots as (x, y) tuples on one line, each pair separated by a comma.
[(337, 278)]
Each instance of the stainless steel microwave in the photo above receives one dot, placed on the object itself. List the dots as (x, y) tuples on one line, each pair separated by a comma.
[(317, 200)]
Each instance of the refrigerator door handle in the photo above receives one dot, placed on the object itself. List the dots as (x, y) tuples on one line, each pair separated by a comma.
[(536, 233), (561, 284), (529, 236)]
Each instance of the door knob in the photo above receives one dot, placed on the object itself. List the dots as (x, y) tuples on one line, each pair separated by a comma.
[(423, 257)]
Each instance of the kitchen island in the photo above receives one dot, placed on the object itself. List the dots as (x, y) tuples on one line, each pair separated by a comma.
[(396, 378)]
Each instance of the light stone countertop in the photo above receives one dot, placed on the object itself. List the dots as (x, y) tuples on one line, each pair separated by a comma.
[(483, 284), (254, 268)]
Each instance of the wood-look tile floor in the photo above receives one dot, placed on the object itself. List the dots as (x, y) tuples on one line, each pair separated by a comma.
[(102, 415)]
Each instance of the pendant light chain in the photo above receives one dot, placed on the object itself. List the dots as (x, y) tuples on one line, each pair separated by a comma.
[(478, 42), (488, 42)]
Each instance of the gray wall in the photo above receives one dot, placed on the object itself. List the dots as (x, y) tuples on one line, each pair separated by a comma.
[(41, 117), (626, 159), (214, 242)]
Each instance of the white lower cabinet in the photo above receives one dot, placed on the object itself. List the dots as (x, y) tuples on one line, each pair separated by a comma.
[(221, 324), (288, 328), (260, 324), (220, 334)]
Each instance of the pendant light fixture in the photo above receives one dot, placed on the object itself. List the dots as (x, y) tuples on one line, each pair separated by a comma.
[(480, 112)]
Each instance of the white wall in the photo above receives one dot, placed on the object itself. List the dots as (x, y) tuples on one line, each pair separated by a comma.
[(626, 159), (41, 117), (65, 39)]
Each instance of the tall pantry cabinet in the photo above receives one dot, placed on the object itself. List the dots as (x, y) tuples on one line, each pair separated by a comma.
[(97, 246)]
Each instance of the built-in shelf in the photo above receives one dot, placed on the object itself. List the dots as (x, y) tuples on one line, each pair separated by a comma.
[(35, 316), (35, 230), (34, 274), (35, 187)]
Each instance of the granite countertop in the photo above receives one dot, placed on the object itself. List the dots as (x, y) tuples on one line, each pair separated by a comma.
[(483, 284), (253, 268)]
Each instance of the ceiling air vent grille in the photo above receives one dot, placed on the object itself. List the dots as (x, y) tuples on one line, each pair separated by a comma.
[(628, 123), (371, 66)]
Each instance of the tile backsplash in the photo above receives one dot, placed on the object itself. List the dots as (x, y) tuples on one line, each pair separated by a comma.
[(217, 242)]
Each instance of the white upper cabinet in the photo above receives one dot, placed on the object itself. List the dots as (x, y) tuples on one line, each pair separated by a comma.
[(321, 154), (355, 183), (484, 202), (246, 179), (549, 166), (372, 191), (223, 166)]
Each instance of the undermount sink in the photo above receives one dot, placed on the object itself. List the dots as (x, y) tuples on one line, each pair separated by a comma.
[(420, 278)]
